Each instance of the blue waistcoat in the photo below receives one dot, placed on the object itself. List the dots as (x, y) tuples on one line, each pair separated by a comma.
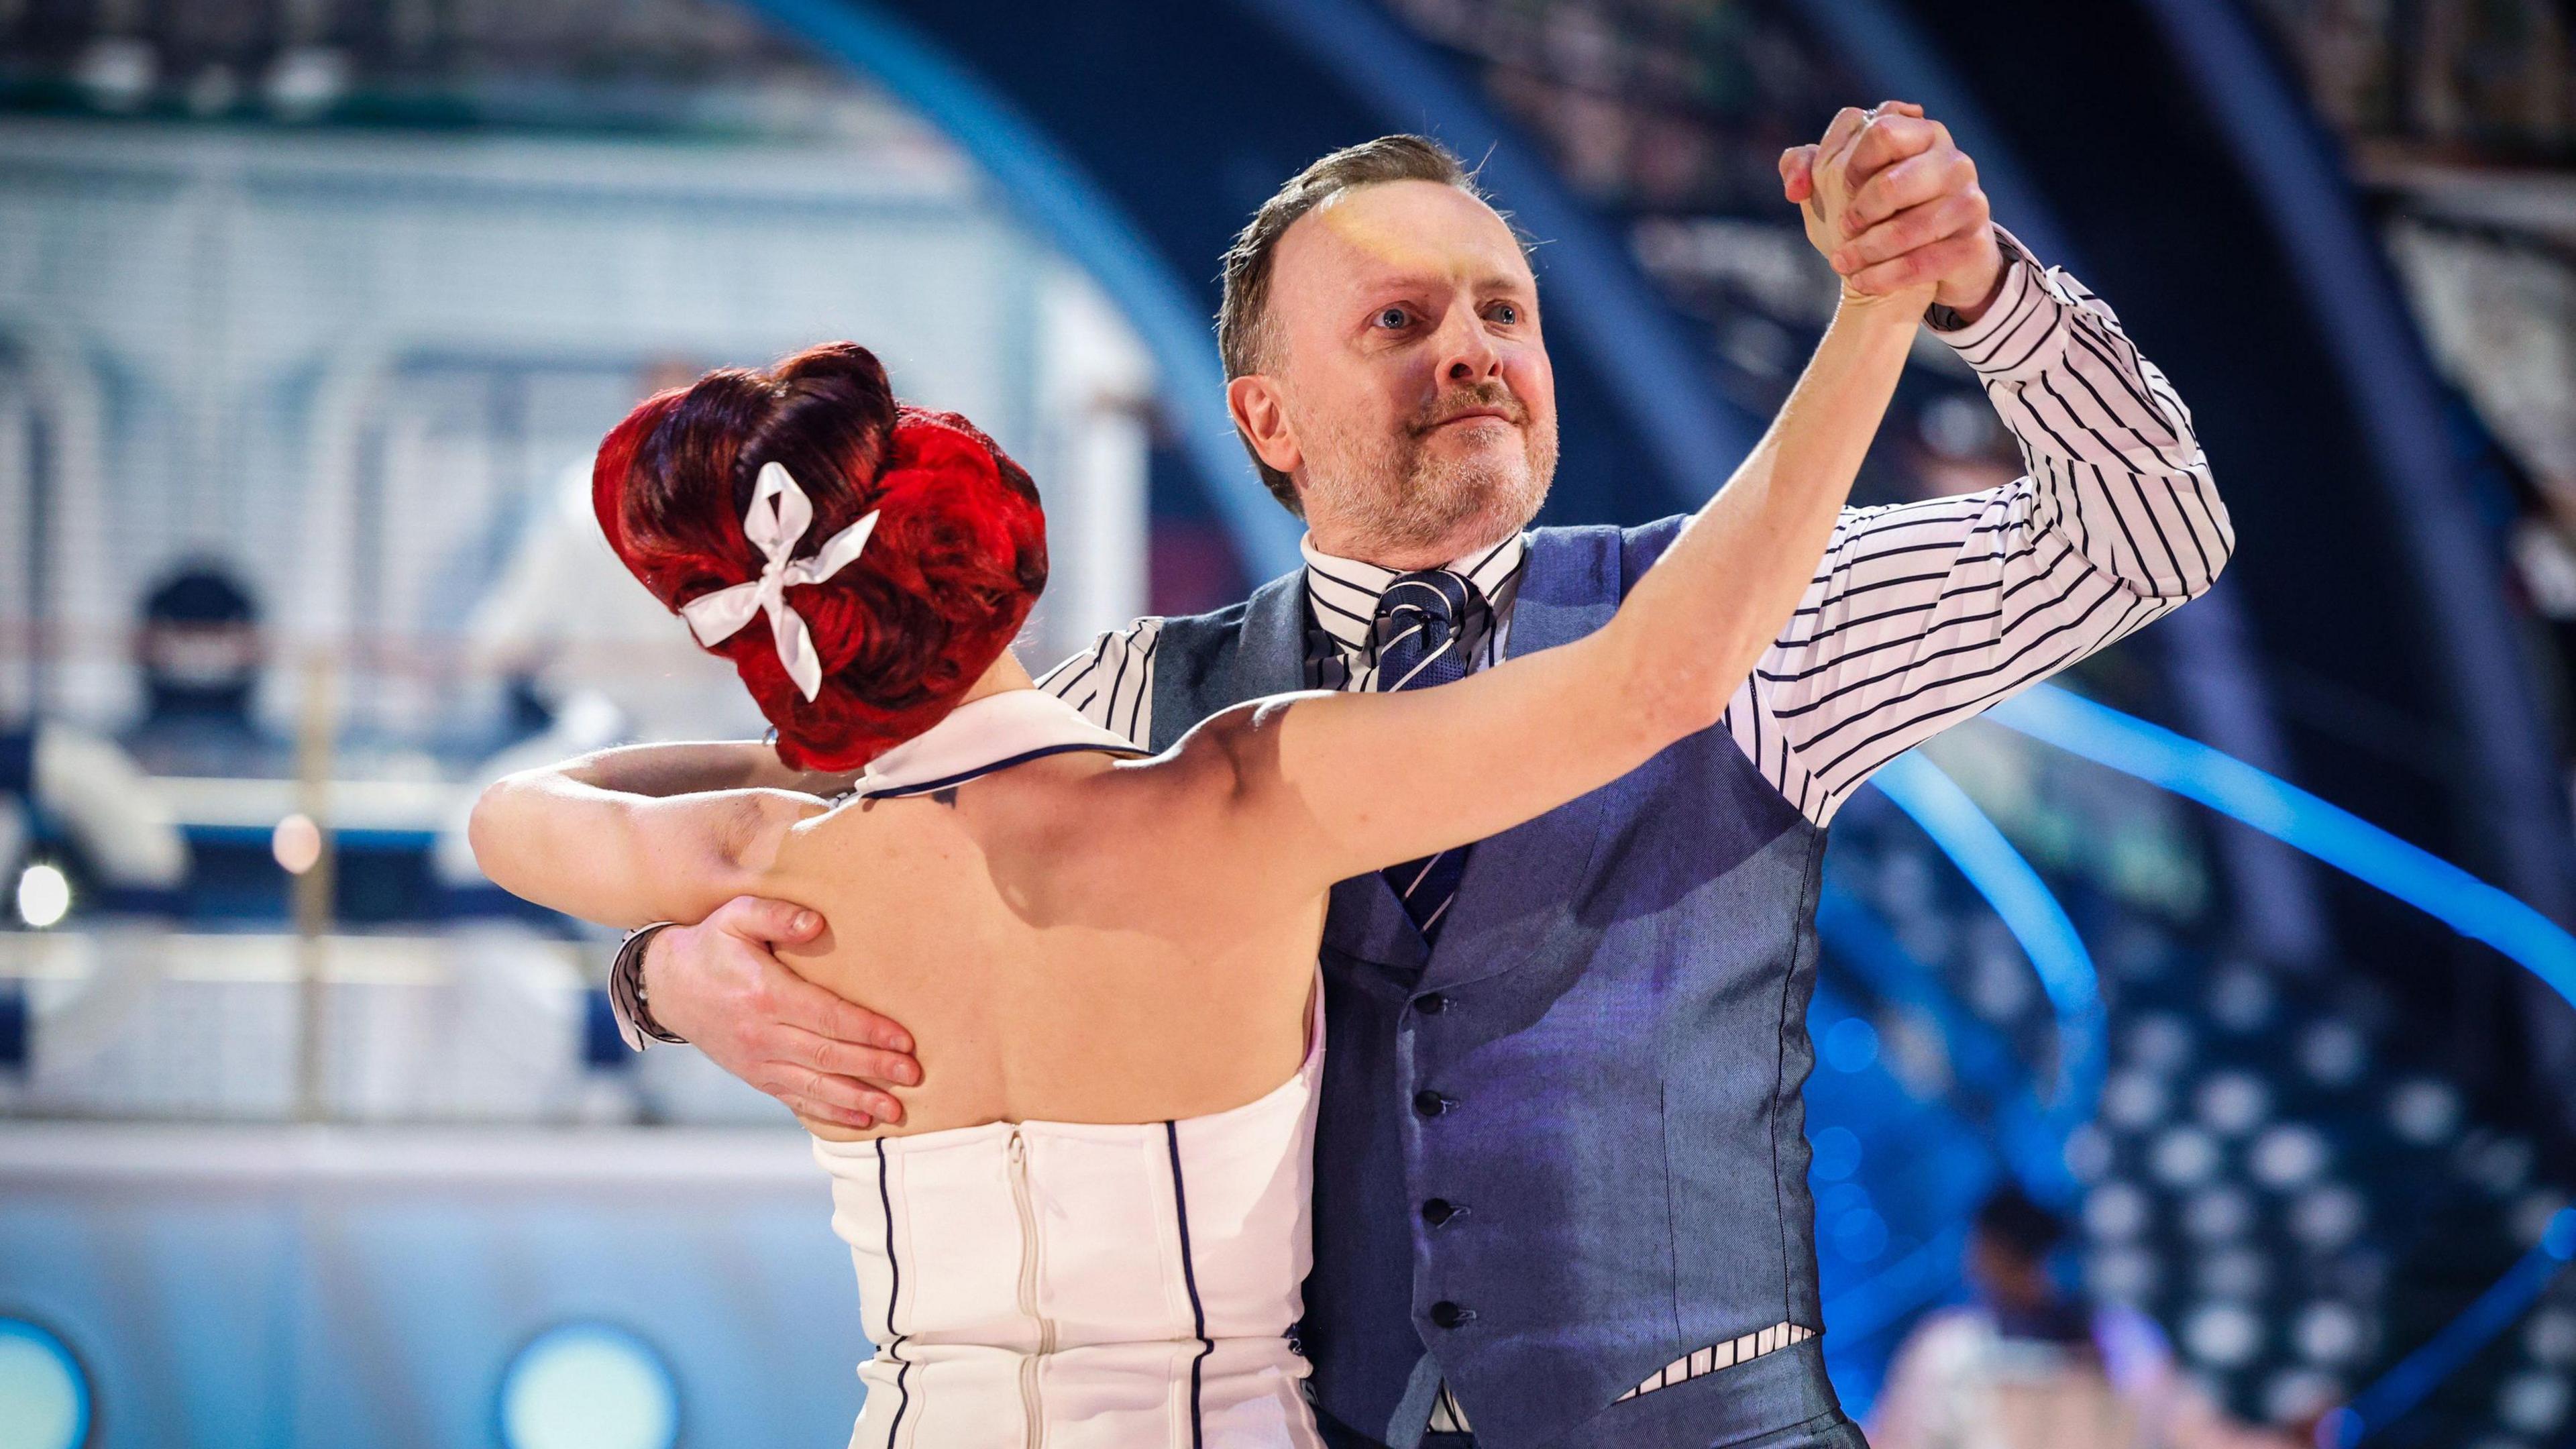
[(1599, 1069)]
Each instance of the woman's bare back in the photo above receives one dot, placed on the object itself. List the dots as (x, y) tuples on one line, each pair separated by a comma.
[(1031, 929)]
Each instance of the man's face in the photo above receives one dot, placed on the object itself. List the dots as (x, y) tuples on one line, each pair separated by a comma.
[(1412, 402)]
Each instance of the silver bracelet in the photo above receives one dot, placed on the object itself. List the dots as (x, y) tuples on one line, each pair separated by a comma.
[(626, 986)]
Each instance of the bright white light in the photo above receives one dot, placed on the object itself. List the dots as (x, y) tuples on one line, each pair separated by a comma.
[(2222, 1334), (44, 896), (588, 1386)]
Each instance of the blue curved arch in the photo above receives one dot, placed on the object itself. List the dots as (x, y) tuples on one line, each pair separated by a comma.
[(2029, 910), (2193, 770), (2415, 1376), (2396, 401), (74, 1380)]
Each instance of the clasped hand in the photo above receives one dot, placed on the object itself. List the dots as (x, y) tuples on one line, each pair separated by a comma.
[(1892, 203)]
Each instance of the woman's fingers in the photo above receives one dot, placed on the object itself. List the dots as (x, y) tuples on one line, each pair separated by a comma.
[(1797, 181), (1846, 124)]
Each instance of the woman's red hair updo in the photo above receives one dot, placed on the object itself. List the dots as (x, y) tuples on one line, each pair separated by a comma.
[(956, 561)]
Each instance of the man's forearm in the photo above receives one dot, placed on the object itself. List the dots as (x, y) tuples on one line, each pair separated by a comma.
[(2118, 467)]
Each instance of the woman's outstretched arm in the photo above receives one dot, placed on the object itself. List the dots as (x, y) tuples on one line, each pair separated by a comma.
[(1325, 787)]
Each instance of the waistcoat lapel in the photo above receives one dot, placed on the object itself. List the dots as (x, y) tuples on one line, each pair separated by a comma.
[(1271, 659), (1519, 886)]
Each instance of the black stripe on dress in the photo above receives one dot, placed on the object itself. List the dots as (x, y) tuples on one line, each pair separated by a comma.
[(1189, 1278), (894, 1296), (968, 777)]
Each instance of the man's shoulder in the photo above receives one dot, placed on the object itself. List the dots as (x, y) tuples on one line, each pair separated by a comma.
[(1619, 534), (1218, 620), (1625, 550), (1226, 622)]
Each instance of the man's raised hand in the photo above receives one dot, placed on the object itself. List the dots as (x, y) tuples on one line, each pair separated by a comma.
[(1895, 203), (721, 985)]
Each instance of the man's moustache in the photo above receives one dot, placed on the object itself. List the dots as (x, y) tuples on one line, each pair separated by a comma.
[(1456, 408)]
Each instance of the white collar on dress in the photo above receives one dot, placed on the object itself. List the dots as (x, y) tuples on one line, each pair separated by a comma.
[(982, 736)]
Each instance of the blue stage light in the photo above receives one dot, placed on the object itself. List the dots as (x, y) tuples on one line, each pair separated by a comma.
[(1837, 1154), (588, 1386), (44, 1395), (1999, 873), (2419, 1373), (1851, 1045), (2282, 810)]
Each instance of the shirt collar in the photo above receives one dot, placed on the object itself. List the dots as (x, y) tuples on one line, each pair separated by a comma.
[(1344, 591)]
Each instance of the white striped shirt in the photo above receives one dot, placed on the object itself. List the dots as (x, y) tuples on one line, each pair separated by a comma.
[(1922, 614)]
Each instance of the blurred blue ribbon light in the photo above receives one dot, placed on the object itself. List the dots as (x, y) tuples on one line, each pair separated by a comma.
[(2282, 810)]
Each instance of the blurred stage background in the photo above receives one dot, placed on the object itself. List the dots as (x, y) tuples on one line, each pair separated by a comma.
[(2245, 948)]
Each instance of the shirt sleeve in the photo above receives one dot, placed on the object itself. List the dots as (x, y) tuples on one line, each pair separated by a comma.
[(1112, 682), (1923, 614)]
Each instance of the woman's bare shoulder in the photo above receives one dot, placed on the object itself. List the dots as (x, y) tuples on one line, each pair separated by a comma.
[(1113, 841), (1072, 838)]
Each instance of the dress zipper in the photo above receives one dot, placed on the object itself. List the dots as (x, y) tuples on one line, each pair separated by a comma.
[(1030, 1266)]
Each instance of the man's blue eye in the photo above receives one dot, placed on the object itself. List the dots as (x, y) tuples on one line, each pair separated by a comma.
[(1391, 317), (1506, 313)]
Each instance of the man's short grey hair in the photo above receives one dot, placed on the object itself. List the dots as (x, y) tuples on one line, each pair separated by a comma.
[(1245, 338)]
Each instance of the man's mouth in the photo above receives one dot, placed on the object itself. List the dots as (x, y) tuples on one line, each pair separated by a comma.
[(1471, 415)]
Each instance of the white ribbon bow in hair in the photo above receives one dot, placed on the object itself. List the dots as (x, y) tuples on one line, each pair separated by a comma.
[(780, 514)]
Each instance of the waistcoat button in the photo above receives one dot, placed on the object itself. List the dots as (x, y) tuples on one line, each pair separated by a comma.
[(1432, 1004), (1450, 1315), (1439, 1210), (1430, 1103)]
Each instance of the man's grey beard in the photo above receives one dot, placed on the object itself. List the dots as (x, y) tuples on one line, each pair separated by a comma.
[(1397, 499)]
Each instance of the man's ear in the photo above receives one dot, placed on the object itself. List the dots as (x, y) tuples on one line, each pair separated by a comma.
[(1258, 414)]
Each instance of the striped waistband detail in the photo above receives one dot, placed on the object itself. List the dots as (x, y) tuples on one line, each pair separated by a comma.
[(1721, 1356), (1449, 1417)]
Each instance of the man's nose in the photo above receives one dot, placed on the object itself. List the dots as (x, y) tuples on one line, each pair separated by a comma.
[(1467, 353)]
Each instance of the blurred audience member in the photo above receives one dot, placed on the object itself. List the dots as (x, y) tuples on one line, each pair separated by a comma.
[(2030, 1366), (567, 623), (201, 652), (64, 786)]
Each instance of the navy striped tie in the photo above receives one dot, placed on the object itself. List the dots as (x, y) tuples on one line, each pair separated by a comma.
[(1420, 636)]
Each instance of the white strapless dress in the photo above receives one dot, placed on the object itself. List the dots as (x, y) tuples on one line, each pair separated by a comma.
[(1082, 1286), (1076, 1285)]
